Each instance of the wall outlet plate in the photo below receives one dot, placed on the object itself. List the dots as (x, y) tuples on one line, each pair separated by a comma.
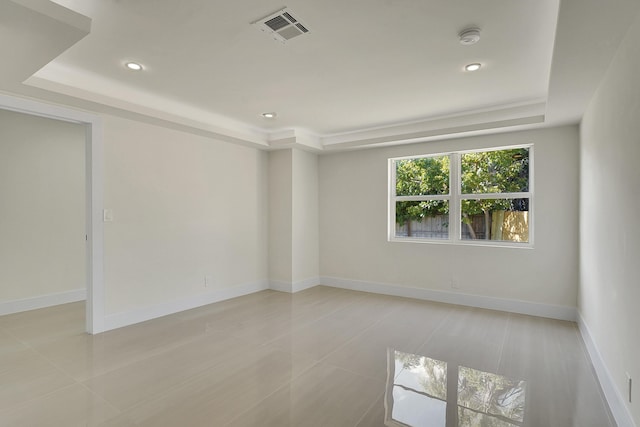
[(208, 281)]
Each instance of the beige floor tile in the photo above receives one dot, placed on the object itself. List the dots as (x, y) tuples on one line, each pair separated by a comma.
[(47, 324), (314, 358), (84, 356), (251, 300), (25, 375), (374, 417), (73, 406), (405, 330), (548, 355), (469, 337), (8, 344), (319, 338), (144, 380), (222, 392), (323, 396)]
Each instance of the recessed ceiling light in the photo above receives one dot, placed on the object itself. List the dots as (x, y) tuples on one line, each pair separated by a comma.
[(269, 115), (133, 66), (473, 67)]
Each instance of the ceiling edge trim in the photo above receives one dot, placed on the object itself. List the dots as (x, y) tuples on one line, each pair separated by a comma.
[(189, 116), (421, 136), (443, 124)]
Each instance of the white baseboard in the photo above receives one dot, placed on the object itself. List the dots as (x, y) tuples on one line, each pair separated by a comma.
[(119, 320), (513, 306), (42, 301), (294, 287), (612, 394)]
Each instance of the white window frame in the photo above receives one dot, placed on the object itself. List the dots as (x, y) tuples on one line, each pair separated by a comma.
[(455, 198)]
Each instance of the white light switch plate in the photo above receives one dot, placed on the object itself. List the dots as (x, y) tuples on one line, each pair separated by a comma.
[(107, 215)]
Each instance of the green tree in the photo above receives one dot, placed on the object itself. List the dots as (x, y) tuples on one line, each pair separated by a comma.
[(485, 172), (420, 177)]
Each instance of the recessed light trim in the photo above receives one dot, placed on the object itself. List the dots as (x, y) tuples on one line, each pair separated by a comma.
[(133, 66), (270, 115), (473, 67)]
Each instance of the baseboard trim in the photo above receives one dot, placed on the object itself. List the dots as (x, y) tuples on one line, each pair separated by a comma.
[(294, 287), (509, 305), (42, 301), (122, 319), (611, 393)]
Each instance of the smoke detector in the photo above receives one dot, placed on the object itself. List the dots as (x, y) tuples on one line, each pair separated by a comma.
[(281, 25), (469, 36)]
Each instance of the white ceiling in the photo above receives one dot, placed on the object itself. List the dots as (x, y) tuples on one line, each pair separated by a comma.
[(369, 72)]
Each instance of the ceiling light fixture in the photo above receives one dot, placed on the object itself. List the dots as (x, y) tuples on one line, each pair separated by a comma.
[(473, 67), (134, 66), (469, 36), (269, 115)]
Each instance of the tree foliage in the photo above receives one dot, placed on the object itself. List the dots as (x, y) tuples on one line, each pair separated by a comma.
[(485, 172), (485, 393), (420, 177)]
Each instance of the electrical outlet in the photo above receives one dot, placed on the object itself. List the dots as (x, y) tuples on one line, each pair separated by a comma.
[(629, 384), (208, 281), (454, 284)]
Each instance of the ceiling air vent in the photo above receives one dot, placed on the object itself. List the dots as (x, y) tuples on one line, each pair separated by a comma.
[(282, 25)]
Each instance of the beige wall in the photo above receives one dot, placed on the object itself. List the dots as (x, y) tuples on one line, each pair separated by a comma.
[(42, 206), (353, 226), (610, 227), (293, 213), (280, 215), (305, 216), (184, 207)]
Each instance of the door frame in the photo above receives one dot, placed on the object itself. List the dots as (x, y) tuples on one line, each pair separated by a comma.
[(94, 200)]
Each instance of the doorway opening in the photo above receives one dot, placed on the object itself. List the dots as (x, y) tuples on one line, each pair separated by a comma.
[(94, 188)]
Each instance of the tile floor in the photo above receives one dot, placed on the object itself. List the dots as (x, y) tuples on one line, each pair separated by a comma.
[(323, 357)]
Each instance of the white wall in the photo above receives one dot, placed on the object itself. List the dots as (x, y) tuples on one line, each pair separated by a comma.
[(353, 226), (280, 216), (293, 219), (610, 222), (42, 206), (185, 207), (305, 256)]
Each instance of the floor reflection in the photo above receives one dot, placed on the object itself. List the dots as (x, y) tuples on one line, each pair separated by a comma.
[(422, 391)]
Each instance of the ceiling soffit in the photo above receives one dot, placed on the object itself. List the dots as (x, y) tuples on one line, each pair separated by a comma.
[(40, 69)]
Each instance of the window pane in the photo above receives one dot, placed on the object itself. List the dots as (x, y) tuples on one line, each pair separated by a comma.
[(423, 176), (502, 171), (504, 220), (428, 219)]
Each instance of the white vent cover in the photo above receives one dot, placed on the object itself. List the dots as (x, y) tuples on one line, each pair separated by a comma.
[(282, 25)]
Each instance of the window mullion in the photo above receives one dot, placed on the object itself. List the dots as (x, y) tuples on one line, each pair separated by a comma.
[(421, 198), (479, 196), (391, 223), (454, 203)]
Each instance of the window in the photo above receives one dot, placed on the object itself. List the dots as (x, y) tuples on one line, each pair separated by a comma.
[(482, 196)]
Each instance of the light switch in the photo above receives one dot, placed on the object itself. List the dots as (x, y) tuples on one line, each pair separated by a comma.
[(107, 215)]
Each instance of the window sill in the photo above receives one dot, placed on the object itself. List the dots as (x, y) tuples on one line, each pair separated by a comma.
[(481, 243)]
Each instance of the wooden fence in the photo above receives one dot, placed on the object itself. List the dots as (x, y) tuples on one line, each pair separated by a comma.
[(510, 226)]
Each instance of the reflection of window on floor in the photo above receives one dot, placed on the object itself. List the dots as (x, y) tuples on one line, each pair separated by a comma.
[(416, 395)]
